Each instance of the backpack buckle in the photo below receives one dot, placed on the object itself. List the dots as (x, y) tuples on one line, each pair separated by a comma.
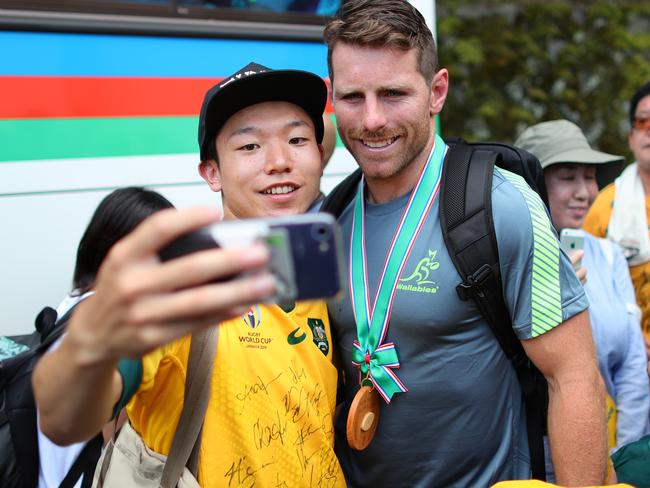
[(472, 287)]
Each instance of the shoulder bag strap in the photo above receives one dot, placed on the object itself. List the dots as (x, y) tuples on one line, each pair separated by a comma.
[(197, 395), (85, 464)]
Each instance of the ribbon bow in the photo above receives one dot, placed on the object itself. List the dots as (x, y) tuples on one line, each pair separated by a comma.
[(377, 368)]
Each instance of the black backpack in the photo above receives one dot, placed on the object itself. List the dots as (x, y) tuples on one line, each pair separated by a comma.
[(19, 463), (468, 232)]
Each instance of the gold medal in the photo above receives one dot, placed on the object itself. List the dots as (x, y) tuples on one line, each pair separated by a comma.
[(363, 418)]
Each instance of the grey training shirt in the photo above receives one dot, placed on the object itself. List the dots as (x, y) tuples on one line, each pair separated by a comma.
[(462, 422)]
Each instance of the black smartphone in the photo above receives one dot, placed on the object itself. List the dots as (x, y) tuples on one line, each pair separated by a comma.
[(306, 251)]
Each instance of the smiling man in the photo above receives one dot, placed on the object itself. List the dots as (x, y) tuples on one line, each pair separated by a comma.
[(452, 412), (269, 420)]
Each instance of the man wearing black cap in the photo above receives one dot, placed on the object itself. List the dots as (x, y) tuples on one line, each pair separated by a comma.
[(269, 419), (263, 178)]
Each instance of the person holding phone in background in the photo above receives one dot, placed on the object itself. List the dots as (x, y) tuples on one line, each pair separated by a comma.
[(270, 414), (573, 172)]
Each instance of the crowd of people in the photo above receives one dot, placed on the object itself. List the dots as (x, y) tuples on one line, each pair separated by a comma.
[(403, 349)]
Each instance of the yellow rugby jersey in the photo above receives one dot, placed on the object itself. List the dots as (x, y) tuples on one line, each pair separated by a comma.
[(269, 421)]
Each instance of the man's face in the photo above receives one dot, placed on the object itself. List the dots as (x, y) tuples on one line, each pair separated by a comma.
[(639, 139), (269, 162), (384, 107)]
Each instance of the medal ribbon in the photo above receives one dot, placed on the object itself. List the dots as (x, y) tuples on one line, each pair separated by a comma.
[(374, 358)]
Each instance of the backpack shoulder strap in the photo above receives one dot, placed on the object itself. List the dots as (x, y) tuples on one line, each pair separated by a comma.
[(468, 232), (342, 195)]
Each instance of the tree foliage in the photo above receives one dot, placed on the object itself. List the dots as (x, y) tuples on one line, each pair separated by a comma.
[(516, 63)]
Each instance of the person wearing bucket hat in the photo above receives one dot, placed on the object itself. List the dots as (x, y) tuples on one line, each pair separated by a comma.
[(273, 386), (561, 141), (561, 147), (573, 172), (621, 211)]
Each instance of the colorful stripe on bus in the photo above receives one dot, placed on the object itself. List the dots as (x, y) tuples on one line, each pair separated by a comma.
[(68, 95)]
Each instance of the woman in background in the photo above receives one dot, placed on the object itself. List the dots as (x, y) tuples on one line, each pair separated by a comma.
[(116, 216), (573, 172)]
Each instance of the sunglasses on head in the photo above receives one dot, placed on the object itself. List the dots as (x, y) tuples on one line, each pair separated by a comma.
[(641, 123)]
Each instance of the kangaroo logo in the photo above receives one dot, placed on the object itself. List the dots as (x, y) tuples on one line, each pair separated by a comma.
[(424, 269)]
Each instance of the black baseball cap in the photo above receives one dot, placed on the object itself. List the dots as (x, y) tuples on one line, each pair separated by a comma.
[(253, 84)]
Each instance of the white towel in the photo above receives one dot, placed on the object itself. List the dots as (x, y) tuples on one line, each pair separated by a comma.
[(629, 224)]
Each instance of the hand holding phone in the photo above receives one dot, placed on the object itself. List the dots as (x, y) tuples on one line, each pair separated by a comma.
[(572, 242), (306, 251)]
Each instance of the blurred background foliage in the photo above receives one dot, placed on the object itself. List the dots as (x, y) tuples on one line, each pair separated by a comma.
[(516, 63)]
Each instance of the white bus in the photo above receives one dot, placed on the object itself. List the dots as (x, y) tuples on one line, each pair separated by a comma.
[(98, 94)]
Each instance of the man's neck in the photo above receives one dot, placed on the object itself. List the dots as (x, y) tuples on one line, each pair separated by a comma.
[(383, 190)]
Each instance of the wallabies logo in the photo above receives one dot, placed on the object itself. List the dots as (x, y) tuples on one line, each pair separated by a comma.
[(423, 269)]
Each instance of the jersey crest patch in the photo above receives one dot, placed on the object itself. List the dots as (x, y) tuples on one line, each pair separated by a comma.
[(320, 337)]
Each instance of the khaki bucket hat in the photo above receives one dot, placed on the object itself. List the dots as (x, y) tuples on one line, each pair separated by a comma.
[(561, 141)]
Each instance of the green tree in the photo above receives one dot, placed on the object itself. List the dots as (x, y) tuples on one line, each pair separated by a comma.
[(513, 64)]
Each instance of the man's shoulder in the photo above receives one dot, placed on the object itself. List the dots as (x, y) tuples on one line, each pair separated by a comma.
[(514, 184), (176, 351), (512, 196), (521, 220)]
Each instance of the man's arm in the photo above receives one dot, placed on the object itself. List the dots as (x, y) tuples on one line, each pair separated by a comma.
[(577, 426), (140, 304)]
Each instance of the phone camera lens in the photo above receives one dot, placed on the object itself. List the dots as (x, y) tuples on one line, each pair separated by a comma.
[(321, 232)]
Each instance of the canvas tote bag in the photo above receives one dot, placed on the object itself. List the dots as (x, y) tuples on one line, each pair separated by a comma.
[(128, 463)]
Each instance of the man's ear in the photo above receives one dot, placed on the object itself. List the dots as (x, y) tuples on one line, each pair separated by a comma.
[(439, 88), (209, 171)]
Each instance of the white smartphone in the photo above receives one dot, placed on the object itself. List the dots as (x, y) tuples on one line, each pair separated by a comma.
[(306, 251), (572, 240)]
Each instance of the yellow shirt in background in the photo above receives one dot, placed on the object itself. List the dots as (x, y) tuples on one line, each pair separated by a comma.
[(270, 418)]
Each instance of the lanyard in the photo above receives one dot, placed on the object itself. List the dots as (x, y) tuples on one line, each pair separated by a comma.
[(375, 358)]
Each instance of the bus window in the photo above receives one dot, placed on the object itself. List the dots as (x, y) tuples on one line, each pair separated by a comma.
[(283, 11), (317, 7)]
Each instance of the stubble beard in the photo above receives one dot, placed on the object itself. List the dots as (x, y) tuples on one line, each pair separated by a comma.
[(403, 160)]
